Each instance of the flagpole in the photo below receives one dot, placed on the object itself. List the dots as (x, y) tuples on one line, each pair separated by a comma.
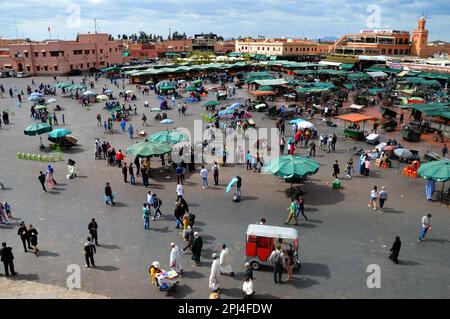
[(49, 32)]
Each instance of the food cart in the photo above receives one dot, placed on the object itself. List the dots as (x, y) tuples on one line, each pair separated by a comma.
[(263, 239), (352, 125)]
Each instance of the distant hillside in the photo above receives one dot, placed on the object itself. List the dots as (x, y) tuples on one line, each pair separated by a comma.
[(438, 42), (327, 39)]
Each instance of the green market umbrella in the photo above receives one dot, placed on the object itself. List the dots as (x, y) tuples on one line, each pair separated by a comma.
[(148, 149), (212, 103), (291, 167), (59, 132), (63, 85), (156, 109), (38, 129), (40, 107), (191, 88), (438, 171), (170, 137), (77, 87), (197, 82), (265, 88)]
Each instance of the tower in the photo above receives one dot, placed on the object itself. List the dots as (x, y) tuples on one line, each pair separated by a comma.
[(420, 39)]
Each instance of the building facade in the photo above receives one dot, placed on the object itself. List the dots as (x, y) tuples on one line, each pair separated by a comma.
[(61, 57), (374, 42), (281, 47)]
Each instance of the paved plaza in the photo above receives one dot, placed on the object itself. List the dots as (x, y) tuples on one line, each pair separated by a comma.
[(339, 240)]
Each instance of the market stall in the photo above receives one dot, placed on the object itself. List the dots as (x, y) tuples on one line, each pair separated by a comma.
[(352, 125)]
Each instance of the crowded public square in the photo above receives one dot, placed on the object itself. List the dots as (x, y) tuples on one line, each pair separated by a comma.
[(339, 236)]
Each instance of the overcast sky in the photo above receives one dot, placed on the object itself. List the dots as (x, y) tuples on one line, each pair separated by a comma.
[(230, 18)]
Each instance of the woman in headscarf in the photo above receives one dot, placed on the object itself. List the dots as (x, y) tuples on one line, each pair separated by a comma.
[(395, 250), (50, 180)]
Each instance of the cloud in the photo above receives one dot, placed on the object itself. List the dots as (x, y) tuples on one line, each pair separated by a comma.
[(300, 18)]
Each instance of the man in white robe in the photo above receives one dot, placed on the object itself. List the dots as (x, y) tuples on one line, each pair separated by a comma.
[(225, 265), (215, 274), (175, 259)]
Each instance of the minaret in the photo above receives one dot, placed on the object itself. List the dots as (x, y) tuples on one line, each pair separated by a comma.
[(420, 39)]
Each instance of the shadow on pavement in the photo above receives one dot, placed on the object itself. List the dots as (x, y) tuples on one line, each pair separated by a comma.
[(302, 282), (234, 293), (182, 291), (109, 246), (30, 277), (107, 268), (407, 263), (440, 241), (315, 270), (192, 275), (46, 253), (162, 230)]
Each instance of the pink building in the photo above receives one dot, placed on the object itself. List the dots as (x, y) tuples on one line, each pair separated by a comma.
[(61, 57)]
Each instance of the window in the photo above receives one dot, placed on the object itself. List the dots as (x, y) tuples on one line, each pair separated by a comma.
[(86, 52), (110, 50), (88, 65), (390, 51), (45, 68), (93, 51), (28, 68), (383, 51), (55, 68), (77, 52), (395, 52), (290, 50), (307, 49), (62, 53), (54, 53), (296, 49), (71, 66), (38, 68), (401, 51), (44, 54), (26, 54), (35, 54), (101, 51), (81, 65)]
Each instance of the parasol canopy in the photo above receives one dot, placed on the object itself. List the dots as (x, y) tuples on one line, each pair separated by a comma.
[(190, 88), (305, 124), (148, 149), (296, 121), (63, 85), (87, 93), (34, 98), (438, 171), (167, 121), (52, 101), (40, 107), (108, 91), (59, 132), (102, 97), (212, 103), (170, 137), (403, 153), (128, 92), (290, 166), (37, 129), (156, 109)]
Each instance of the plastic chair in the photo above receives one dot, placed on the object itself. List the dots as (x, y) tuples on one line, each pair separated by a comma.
[(39, 158), (51, 159), (18, 155), (28, 156), (33, 157)]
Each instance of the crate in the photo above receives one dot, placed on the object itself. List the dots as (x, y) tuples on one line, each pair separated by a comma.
[(336, 184)]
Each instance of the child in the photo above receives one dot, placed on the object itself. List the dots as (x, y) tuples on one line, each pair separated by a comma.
[(185, 224)]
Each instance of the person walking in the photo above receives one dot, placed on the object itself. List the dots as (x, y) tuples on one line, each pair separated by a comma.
[(214, 277), (41, 179), (130, 131), (395, 250), (180, 192), (247, 288), (123, 125), (7, 258), (144, 120), (215, 170), (350, 168), (301, 207), (109, 197), (373, 198), (444, 151), (248, 158), (157, 202), (336, 170), (292, 209), (32, 235), (146, 216), (382, 198), (197, 245), (119, 158), (89, 251), (238, 185), (225, 265), (282, 145), (93, 230), (125, 172), (99, 119), (333, 142), (278, 262), (204, 176), (426, 226), (22, 232), (290, 262), (50, 179), (131, 172), (175, 259)]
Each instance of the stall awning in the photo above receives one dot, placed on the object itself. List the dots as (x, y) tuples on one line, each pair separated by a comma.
[(262, 93), (271, 82), (356, 106), (377, 74), (346, 66), (356, 118), (330, 63)]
